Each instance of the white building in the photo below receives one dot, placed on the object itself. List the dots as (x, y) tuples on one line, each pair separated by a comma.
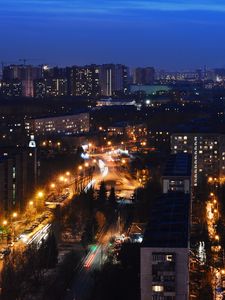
[(60, 125)]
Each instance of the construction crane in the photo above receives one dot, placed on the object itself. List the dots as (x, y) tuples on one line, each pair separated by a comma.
[(24, 60)]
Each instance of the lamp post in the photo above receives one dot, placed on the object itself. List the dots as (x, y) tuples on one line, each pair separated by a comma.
[(39, 199), (14, 217)]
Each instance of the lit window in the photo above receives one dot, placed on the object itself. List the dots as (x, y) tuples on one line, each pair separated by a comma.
[(169, 257), (157, 288)]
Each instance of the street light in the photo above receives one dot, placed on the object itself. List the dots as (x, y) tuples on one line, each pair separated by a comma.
[(52, 185), (80, 168), (217, 237), (40, 194), (61, 178), (67, 173), (14, 215), (31, 203), (86, 164), (5, 222)]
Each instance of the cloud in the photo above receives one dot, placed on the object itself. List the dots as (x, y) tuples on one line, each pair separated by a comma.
[(101, 7)]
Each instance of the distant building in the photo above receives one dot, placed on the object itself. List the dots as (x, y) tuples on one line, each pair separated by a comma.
[(11, 88), (56, 87), (208, 153), (144, 76), (150, 89), (60, 125), (165, 249), (115, 102), (26, 74), (177, 174), (113, 79)]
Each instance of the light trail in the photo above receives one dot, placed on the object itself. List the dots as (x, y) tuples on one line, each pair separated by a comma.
[(37, 237)]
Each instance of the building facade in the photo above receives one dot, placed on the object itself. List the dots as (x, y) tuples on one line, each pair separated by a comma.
[(165, 250), (144, 76), (208, 153), (60, 125), (17, 178), (177, 174), (113, 79)]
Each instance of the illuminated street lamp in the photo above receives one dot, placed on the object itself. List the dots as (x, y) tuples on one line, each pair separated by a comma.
[(217, 237), (67, 173), (210, 179), (86, 164), (5, 222), (40, 194), (109, 143), (80, 168), (61, 178), (15, 215), (52, 185), (31, 203)]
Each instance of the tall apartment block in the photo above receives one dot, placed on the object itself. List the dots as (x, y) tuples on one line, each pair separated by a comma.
[(177, 174), (26, 74), (208, 153), (113, 78), (166, 245), (17, 177), (165, 250), (144, 76)]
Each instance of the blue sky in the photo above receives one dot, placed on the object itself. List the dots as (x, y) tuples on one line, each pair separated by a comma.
[(168, 34)]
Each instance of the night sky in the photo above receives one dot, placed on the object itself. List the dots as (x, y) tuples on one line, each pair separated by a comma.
[(169, 34)]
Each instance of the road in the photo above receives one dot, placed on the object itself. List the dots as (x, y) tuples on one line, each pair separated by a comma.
[(212, 217), (110, 171)]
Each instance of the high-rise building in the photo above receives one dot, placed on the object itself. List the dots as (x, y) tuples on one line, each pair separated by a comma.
[(55, 87), (177, 174), (17, 177), (144, 76), (11, 88), (208, 153), (86, 81), (24, 73), (165, 249), (166, 246), (113, 79)]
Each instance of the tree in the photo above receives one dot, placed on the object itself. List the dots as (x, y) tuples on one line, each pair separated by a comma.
[(48, 252), (112, 198), (102, 195), (9, 284)]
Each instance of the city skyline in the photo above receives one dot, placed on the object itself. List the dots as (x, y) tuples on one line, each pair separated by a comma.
[(65, 33)]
